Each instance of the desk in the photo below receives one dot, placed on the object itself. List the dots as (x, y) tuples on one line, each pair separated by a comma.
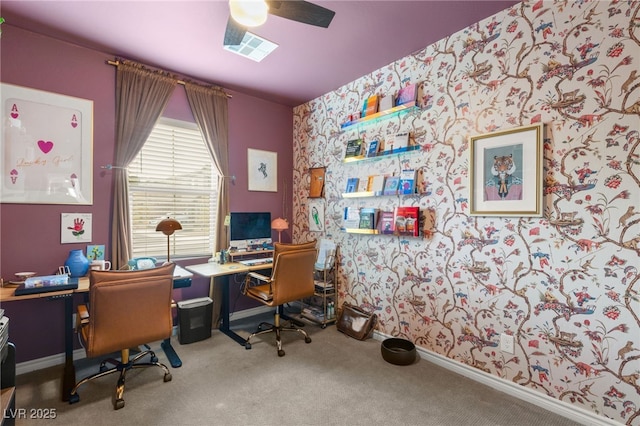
[(213, 270), (7, 294)]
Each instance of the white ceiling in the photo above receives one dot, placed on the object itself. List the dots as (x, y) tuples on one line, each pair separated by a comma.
[(186, 37)]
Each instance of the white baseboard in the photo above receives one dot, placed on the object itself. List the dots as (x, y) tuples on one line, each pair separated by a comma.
[(58, 359), (251, 312), (553, 405), (46, 362)]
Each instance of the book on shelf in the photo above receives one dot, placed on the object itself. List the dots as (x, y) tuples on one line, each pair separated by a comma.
[(407, 94), (407, 184), (386, 103), (351, 217), (313, 313), (372, 148), (323, 285), (354, 148), (376, 184), (370, 106), (352, 184), (368, 218), (385, 222), (391, 185), (401, 142), (363, 184), (406, 221)]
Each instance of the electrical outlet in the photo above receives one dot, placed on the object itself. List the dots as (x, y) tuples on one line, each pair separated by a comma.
[(507, 343)]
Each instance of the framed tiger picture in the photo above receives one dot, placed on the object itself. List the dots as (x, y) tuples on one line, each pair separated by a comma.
[(506, 172)]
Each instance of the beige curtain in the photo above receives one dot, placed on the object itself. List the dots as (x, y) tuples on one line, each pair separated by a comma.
[(141, 96), (209, 107)]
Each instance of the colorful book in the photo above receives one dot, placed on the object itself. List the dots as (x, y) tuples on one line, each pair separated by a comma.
[(352, 185), (372, 148), (391, 185), (371, 105), (351, 217), (407, 94), (407, 184), (385, 223), (354, 148), (368, 218), (406, 221)]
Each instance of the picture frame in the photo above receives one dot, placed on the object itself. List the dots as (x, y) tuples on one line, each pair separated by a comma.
[(75, 228), (316, 215), (263, 170), (502, 183), (47, 147)]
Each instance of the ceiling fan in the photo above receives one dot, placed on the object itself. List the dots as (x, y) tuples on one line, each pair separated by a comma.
[(253, 13)]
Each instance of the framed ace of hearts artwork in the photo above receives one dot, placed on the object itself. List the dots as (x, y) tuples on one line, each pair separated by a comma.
[(47, 147)]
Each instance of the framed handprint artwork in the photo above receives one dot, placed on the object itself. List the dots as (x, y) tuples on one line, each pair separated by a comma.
[(75, 228)]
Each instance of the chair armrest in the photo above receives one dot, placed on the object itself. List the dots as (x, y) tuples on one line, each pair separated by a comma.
[(83, 315), (261, 279), (258, 277)]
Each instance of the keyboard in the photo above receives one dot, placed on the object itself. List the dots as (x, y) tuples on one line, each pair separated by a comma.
[(261, 261)]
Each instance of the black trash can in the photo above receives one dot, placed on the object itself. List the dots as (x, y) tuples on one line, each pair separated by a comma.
[(194, 320)]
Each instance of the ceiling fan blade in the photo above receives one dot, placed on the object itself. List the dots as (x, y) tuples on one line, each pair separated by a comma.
[(234, 33), (302, 11)]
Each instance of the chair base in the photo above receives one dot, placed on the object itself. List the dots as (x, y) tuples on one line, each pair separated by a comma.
[(266, 327), (122, 367)]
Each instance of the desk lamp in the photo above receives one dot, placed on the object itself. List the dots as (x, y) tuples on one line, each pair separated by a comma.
[(279, 225), (168, 226)]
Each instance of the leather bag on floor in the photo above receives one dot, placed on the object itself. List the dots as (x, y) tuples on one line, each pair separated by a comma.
[(355, 322)]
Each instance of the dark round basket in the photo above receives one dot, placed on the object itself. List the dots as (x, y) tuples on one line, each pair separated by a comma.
[(398, 351)]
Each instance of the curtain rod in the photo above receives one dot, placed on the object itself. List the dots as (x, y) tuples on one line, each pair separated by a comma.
[(116, 63)]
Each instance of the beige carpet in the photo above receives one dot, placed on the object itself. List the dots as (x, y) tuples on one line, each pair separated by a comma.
[(335, 380)]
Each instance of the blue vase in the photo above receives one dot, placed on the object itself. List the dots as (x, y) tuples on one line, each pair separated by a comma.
[(78, 263)]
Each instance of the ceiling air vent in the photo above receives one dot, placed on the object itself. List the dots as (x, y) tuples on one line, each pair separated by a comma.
[(253, 47)]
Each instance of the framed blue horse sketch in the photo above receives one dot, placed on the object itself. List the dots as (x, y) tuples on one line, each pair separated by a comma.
[(263, 170)]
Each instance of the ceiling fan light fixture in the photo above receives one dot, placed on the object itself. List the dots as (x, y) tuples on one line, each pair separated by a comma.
[(250, 13)]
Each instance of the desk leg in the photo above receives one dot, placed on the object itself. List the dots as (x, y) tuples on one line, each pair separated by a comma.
[(69, 379), (224, 322), (171, 354)]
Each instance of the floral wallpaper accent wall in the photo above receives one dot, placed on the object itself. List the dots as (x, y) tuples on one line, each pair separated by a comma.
[(565, 285)]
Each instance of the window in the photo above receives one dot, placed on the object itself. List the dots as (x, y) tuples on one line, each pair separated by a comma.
[(173, 176)]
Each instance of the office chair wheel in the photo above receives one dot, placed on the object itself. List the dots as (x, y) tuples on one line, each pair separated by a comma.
[(168, 377), (154, 359), (247, 346), (118, 404), (280, 352), (73, 398), (307, 339), (323, 326)]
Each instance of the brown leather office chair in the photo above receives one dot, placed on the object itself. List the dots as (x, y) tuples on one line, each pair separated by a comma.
[(291, 279), (126, 309)]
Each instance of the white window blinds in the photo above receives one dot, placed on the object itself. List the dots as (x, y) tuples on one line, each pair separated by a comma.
[(173, 176)]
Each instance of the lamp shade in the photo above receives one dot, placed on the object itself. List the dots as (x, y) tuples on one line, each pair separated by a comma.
[(250, 13), (279, 224), (168, 226)]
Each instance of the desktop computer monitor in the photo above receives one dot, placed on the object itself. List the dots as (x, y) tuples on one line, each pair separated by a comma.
[(250, 230)]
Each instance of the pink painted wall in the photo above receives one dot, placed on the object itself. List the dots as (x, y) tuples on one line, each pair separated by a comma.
[(30, 234)]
